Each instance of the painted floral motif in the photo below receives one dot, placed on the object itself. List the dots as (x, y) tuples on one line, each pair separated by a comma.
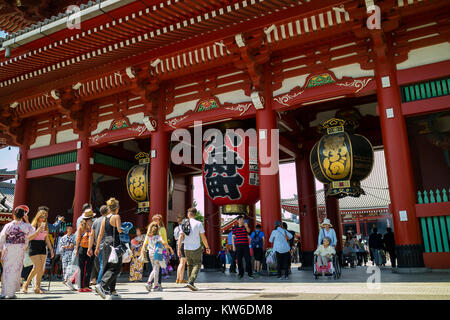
[(95, 139), (357, 83), (140, 129), (206, 105), (242, 108), (173, 122), (284, 100), (119, 124), (320, 80)]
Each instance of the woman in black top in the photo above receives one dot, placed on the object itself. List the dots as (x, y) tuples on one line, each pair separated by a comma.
[(110, 229)]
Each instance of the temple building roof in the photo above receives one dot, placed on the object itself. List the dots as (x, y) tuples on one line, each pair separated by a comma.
[(18, 15), (6, 174), (6, 201)]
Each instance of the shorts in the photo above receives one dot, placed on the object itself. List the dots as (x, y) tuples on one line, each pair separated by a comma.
[(37, 247), (258, 254), (183, 255)]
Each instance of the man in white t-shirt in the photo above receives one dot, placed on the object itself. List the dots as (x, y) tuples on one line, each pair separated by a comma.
[(193, 248)]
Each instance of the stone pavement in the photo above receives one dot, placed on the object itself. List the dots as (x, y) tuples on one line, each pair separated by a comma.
[(353, 284)]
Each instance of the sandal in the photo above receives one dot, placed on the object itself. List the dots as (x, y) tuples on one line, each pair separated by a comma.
[(25, 288), (38, 291)]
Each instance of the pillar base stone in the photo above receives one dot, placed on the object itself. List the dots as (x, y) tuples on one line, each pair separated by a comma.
[(410, 256), (410, 270), (307, 260), (210, 263)]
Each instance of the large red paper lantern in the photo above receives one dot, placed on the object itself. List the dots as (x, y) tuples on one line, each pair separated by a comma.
[(230, 171)]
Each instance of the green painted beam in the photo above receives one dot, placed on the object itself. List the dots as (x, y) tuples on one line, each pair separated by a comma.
[(431, 233), (445, 234), (426, 241), (437, 231)]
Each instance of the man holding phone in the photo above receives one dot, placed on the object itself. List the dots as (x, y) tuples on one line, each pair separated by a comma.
[(241, 247)]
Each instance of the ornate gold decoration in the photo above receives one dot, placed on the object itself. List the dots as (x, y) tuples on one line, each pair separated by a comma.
[(341, 159), (235, 209)]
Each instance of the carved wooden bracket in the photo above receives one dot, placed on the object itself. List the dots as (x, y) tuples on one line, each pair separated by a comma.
[(250, 54), (12, 126), (69, 104)]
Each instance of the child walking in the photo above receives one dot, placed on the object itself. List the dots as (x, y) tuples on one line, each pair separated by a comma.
[(154, 243)]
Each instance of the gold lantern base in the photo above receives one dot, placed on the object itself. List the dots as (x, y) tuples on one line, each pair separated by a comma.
[(143, 207), (341, 189), (234, 209)]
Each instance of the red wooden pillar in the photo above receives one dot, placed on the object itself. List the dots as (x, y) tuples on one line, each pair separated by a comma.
[(212, 225), (269, 189), (306, 190), (332, 207), (159, 165), (358, 227), (213, 234), (189, 195), (21, 188), (252, 217), (83, 175), (398, 158)]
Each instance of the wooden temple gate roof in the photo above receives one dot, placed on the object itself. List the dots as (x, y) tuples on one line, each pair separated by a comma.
[(176, 39)]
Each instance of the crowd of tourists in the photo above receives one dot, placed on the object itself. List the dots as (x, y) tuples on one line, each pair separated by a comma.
[(90, 255)]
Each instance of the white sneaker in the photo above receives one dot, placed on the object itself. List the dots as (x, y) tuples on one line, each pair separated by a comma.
[(100, 291), (148, 287), (70, 285)]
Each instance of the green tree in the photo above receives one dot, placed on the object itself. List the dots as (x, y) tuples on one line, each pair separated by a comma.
[(199, 215)]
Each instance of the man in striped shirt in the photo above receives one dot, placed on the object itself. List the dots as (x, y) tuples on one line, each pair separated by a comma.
[(241, 247)]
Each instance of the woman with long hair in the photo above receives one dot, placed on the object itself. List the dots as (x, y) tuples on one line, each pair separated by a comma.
[(13, 242), (38, 251), (85, 261), (110, 229)]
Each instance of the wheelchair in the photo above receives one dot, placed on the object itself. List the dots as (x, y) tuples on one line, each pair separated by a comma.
[(332, 270)]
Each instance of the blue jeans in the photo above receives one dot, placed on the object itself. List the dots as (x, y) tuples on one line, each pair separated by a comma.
[(376, 256), (100, 272)]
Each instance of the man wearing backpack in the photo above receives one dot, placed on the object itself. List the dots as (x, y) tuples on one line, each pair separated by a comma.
[(192, 234), (257, 242)]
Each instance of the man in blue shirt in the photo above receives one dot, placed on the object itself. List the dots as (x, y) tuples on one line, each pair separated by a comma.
[(257, 243), (280, 239)]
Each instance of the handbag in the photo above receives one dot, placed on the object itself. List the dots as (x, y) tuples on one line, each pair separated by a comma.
[(26, 260), (118, 251), (126, 258), (159, 256)]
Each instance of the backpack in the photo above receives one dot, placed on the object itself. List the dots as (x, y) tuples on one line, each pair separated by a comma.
[(257, 241), (186, 226)]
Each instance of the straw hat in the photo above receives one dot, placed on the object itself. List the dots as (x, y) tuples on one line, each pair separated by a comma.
[(326, 221), (88, 214)]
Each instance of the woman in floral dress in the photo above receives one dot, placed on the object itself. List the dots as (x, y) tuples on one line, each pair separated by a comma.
[(13, 242), (136, 265)]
